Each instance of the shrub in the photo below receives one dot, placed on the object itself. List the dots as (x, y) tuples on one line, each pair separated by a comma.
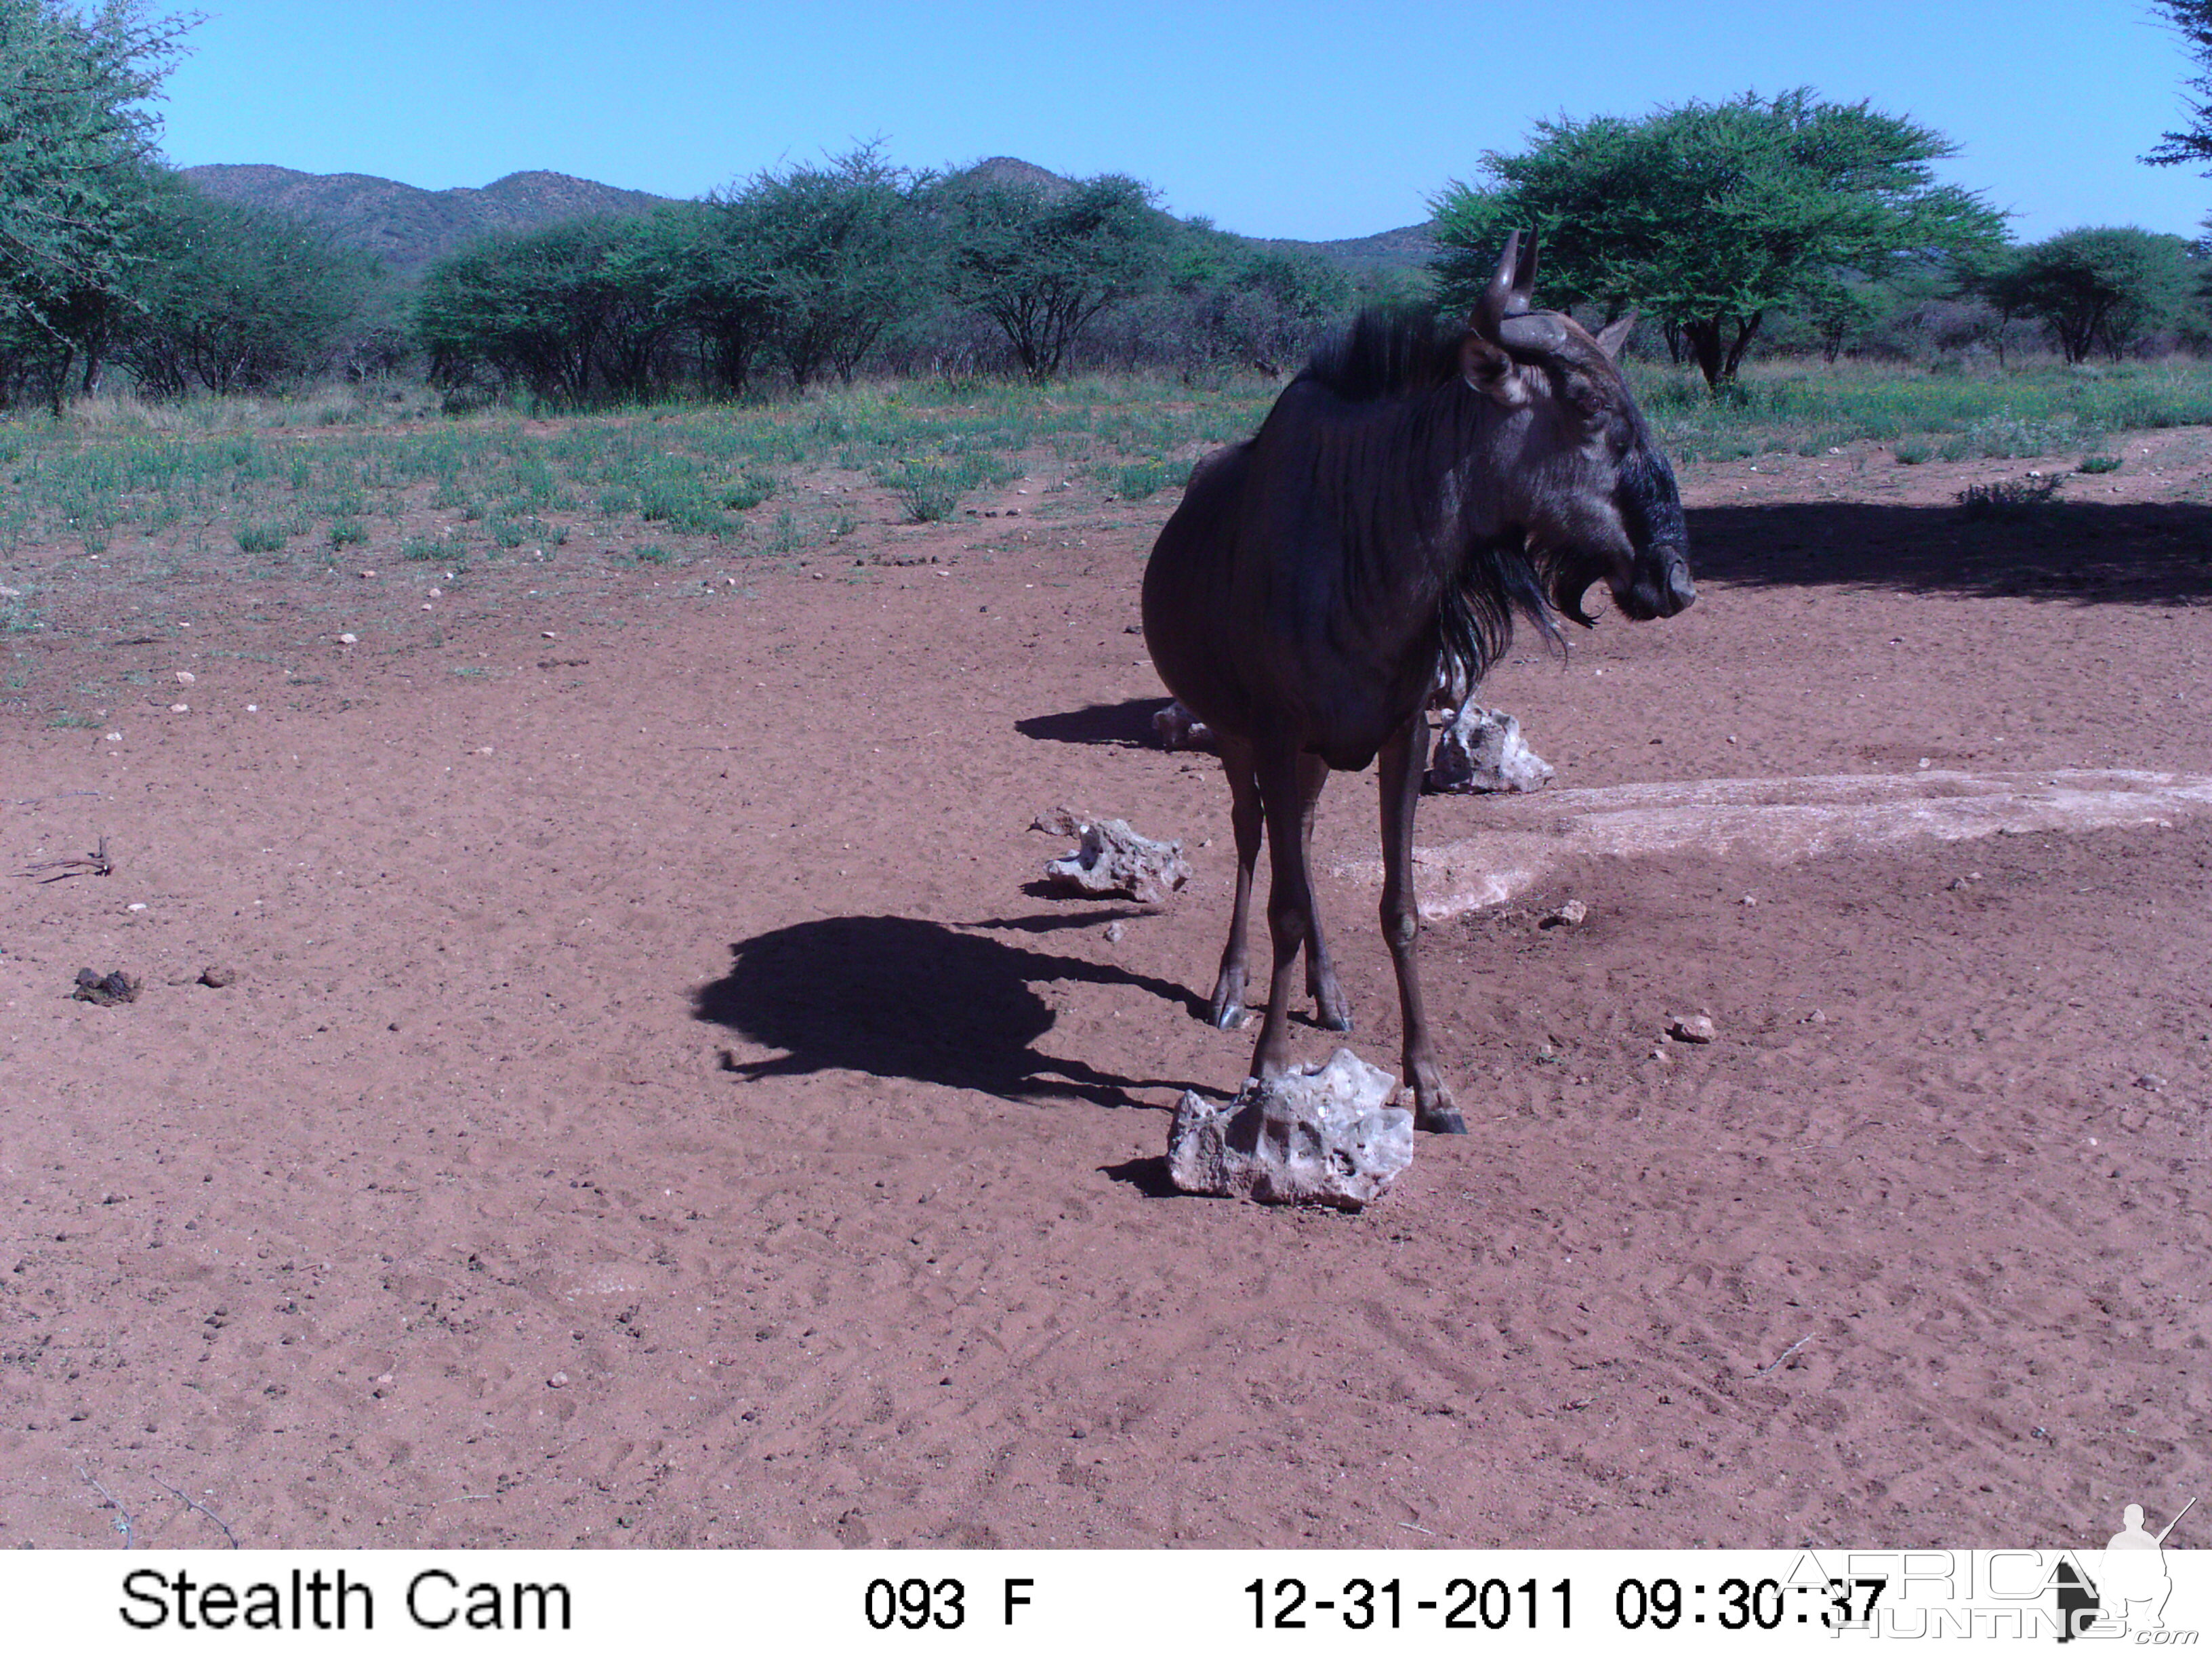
[(2008, 497), (261, 538), (2096, 463), (347, 532)]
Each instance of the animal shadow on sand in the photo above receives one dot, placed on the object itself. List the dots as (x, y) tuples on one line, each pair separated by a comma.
[(1126, 724), (2071, 552), (897, 997)]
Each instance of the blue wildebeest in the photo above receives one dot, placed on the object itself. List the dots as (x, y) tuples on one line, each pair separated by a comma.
[(1409, 492)]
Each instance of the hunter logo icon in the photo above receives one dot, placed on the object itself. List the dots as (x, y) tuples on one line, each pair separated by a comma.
[(2132, 1585)]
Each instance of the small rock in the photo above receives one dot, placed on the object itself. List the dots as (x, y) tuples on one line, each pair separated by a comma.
[(1816, 1018), (1481, 753), (214, 976), (558, 1380), (184, 676), (104, 989), (1750, 901), (1178, 728), (1322, 1134), (1057, 821), (1114, 930), (180, 708), (1115, 858), (1691, 1028), (2152, 1081), (1572, 913), (349, 639)]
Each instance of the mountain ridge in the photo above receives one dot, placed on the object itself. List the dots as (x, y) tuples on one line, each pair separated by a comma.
[(410, 227)]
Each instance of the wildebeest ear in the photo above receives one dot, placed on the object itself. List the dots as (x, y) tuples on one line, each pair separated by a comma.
[(1615, 335), (1491, 370)]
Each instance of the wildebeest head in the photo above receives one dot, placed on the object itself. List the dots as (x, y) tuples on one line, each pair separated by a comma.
[(1582, 480)]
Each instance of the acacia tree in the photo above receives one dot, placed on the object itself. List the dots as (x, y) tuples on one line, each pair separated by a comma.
[(2192, 20), (1043, 262), (228, 297), (1709, 215), (839, 253), (2097, 290), (559, 309), (75, 143)]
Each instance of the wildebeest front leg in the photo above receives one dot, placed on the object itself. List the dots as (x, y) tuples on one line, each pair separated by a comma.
[(1248, 820), (1289, 904), (1401, 765), (1331, 1011)]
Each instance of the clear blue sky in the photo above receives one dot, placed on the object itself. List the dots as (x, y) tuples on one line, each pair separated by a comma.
[(1284, 119)]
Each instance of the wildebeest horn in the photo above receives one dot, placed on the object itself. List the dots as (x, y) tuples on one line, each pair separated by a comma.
[(1496, 299), (1498, 312), (1524, 277)]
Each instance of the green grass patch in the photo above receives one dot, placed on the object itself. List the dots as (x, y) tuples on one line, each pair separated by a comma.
[(2094, 464), (1140, 479), (260, 538)]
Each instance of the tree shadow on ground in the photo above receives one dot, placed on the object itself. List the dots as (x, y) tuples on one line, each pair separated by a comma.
[(896, 997), (2151, 553), (1129, 725)]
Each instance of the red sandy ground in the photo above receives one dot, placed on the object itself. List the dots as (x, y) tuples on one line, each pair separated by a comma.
[(658, 1106)]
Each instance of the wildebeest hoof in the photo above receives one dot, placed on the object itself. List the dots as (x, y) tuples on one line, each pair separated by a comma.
[(1332, 1019), (1442, 1121), (1226, 1016)]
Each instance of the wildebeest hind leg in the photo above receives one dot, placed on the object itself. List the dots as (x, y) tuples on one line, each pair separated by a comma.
[(1331, 1012), (1400, 765), (1289, 905), (1248, 820)]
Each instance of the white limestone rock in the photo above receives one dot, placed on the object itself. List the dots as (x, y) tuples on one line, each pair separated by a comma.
[(1114, 860), (1178, 728), (1322, 1134), (1481, 752)]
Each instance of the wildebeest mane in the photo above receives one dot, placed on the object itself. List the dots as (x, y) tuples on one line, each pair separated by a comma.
[(1388, 351), (1406, 352)]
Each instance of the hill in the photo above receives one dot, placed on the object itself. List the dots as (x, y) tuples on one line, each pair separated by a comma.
[(408, 227)]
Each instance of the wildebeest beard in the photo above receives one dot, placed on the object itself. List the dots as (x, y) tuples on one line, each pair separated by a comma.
[(1500, 576)]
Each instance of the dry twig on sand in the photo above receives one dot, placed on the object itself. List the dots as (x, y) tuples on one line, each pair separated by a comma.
[(95, 864), (109, 1501), (195, 1503)]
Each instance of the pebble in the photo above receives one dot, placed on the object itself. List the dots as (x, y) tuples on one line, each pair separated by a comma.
[(1113, 932), (558, 1380), (184, 676), (349, 639), (1691, 1028), (214, 976), (1572, 913)]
